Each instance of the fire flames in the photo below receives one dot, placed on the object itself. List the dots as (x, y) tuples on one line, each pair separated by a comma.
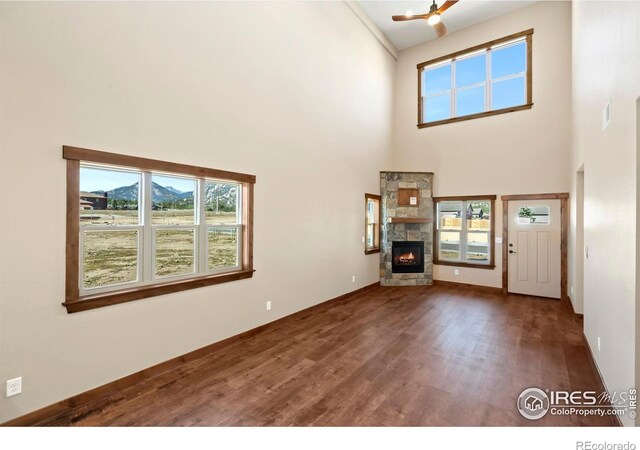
[(406, 258)]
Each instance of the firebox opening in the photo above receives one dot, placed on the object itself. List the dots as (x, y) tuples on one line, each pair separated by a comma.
[(407, 257)]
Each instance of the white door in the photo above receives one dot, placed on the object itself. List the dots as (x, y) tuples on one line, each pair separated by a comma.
[(534, 247)]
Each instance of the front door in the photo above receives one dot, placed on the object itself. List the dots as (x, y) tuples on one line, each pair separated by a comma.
[(534, 247)]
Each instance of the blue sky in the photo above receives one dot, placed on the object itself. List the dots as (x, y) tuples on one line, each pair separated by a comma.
[(94, 179), (104, 180), (181, 184), (504, 61)]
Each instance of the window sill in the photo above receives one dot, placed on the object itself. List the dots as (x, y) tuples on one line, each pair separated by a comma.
[(113, 298), (372, 251), (462, 264), (476, 116)]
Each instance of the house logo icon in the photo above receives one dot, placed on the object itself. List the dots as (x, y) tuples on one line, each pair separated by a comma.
[(533, 403)]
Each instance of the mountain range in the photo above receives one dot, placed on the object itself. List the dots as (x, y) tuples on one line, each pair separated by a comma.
[(225, 194)]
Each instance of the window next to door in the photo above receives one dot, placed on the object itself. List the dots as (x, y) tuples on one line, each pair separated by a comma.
[(464, 231)]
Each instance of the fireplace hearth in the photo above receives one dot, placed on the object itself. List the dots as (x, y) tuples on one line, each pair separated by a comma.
[(407, 257)]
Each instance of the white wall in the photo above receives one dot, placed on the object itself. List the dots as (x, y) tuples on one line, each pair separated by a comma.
[(525, 152), (299, 94), (606, 43)]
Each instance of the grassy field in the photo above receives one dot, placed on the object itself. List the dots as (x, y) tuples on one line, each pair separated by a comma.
[(110, 257), (174, 217)]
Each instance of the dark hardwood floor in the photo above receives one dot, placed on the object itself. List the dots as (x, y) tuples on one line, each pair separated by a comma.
[(437, 355)]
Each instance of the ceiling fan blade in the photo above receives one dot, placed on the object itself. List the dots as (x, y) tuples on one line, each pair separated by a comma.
[(446, 5), (441, 30), (414, 17)]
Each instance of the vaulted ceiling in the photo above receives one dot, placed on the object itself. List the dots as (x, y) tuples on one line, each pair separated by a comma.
[(461, 15)]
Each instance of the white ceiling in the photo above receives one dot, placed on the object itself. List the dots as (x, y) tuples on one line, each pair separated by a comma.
[(461, 15)]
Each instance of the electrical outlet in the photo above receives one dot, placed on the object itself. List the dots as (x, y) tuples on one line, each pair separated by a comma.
[(269, 305), (598, 343), (456, 272), (14, 387), (363, 239), (571, 290), (353, 278)]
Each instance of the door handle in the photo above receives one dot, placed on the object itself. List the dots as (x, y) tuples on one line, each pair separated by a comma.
[(511, 251)]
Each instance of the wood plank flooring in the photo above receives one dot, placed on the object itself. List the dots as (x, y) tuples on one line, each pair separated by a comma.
[(420, 356)]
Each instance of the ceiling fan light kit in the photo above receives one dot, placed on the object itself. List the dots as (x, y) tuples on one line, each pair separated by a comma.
[(433, 17)]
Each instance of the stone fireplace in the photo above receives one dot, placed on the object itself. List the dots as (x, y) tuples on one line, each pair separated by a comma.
[(406, 255)]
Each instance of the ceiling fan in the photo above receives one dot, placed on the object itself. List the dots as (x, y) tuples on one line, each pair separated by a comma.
[(433, 17)]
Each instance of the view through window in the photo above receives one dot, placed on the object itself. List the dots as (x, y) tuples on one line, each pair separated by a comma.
[(138, 228), (490, 78), (464, 231)]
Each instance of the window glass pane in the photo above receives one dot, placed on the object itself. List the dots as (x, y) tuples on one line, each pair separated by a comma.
[(508, 93), (172, 200), (221, 202), (470, 101), (479, 216), (508, 60), (223, 248), (537, 215), (174, 252), (109, 258), (437, 108), (450, 215), (109, 197), (370, 237), (449, 251), (436, 80), (477, 247), (471, 70), (372, 217)]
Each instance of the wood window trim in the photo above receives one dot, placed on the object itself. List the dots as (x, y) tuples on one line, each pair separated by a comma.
[(377, 198), (528, 34), (73, 301), (492, 231), (564, 236)]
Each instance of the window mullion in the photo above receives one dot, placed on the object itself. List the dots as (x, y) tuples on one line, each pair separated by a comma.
[(146, 258), (453, 88), (202, 247), (488, 106), (463, 233)]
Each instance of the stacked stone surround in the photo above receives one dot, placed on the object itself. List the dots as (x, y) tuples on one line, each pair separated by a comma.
[(390, 182)]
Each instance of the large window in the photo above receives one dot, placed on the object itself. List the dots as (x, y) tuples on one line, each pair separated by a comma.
[(492, 78), (464, 231), (138, 228)]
